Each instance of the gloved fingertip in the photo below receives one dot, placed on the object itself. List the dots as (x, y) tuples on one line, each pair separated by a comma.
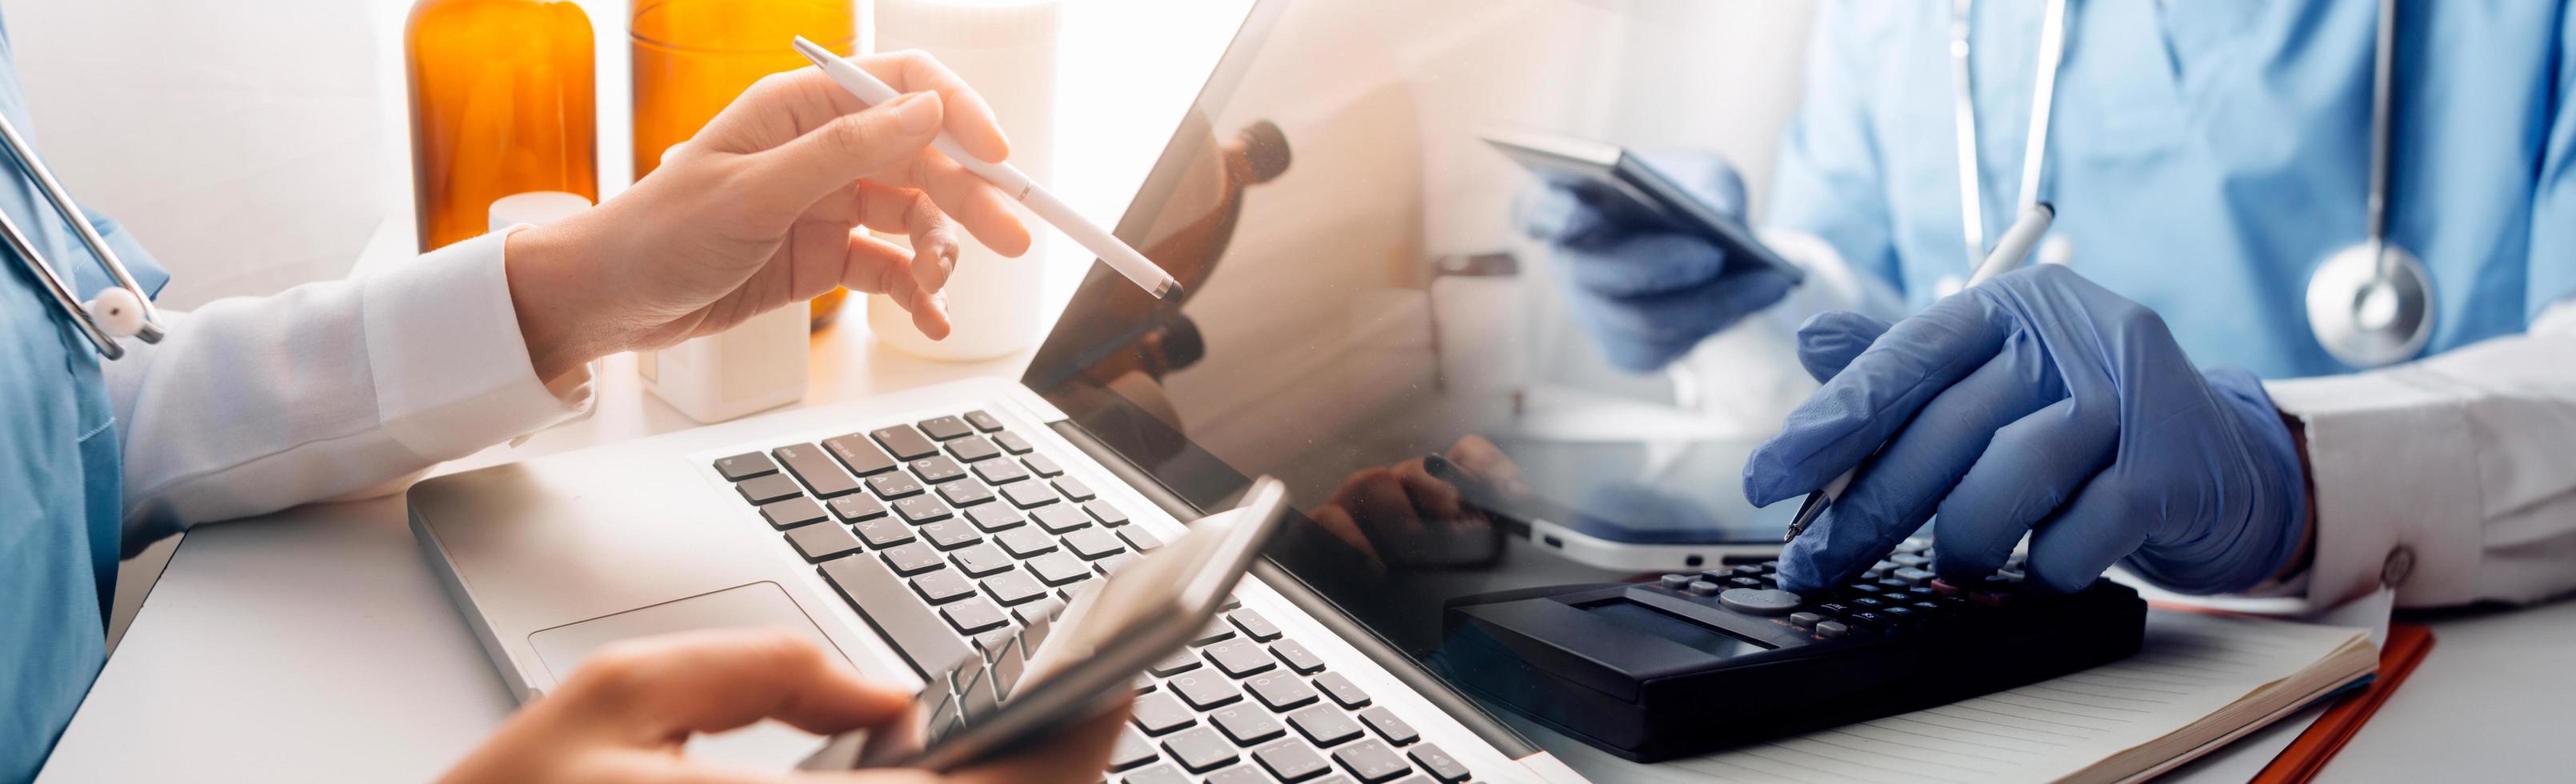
[(1829, 341)]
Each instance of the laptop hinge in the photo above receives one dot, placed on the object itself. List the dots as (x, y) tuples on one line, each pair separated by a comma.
[(1466, 712)]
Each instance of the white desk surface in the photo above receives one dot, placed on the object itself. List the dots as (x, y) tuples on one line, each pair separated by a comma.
[(314, 645)]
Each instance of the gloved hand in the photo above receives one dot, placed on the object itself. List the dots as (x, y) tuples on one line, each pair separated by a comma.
[(1647, 292), (2037, 399)]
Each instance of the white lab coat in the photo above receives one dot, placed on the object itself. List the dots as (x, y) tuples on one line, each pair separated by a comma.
[(255, 404), (2451, 479)]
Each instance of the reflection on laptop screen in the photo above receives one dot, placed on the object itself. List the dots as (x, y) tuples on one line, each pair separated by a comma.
[(1358, 299)]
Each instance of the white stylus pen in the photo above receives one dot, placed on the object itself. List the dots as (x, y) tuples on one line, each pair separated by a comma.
[(1010, 179), (2007, 255)]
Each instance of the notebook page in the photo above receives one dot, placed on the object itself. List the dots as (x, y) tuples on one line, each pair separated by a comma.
[(2190, 666)]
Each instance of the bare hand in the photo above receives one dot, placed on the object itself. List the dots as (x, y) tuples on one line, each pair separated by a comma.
[(623, 716)]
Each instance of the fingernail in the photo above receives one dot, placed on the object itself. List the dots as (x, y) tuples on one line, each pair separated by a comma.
[(918, 112)]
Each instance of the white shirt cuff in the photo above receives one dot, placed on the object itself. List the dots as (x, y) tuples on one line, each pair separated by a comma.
[(451, 370)]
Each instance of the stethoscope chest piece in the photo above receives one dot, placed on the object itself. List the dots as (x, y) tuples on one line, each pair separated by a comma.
[(2371, 305)]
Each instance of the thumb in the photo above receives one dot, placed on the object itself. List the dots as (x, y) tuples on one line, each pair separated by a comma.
[(1829, 341), (791, 177)]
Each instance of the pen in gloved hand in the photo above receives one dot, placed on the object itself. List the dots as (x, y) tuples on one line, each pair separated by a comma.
[(2008, 254)]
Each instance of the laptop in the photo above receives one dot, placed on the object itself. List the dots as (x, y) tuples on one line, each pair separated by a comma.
[(1326, 340)]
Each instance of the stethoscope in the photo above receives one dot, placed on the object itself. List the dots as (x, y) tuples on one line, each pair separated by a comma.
[(119, 311), (2369, 304)]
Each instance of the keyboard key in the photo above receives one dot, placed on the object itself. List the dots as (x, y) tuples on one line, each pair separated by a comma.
[(1111, 564), (920, 510), (1174, 664), (1371, 762), (1107, 515), (1216, 631), (1247, 725), (1204, 690), (1325, 725), (1074, 489), (981, 560), (964, 494), (861, 456), (820, 542), (974, 615), (791, 512), (1239, 658), (1393, 729), (1138, 538), (1025, 543), (937, 468), (904, 442), (1013, 443), (1093, 543), (882, 533), (942, 586), (983, 421), (886, 603), (1000, 472), (1015, 587), (854, 508), (912, 559), (944, 428), (1239, 774), (1291, 761), (993, 518), (1158, 714), (1441, 766), (1024, 494), (1059, 569), (817, 470), (1253, 625), (1342, 690), (1158, 774), (1200, 750), (764, 489), (894, 485), (1305, 662), (1058, 519), (950, 534), (1044, 609), (745, 466), (1133, 750), (1042, 465), (973, 448), (1281, 691)]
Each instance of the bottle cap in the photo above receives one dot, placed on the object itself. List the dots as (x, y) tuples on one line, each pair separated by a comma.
[(535, 208)]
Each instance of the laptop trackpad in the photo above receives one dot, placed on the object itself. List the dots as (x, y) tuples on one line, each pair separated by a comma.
[(763, 605)]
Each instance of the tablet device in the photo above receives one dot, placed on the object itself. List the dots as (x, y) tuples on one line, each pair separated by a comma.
[(1621, 184), (1059, 671)]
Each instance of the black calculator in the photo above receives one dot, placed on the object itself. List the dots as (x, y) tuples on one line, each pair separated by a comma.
[(1690, 663)]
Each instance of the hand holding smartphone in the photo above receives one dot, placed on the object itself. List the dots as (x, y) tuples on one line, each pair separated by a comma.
[(1620, 183)]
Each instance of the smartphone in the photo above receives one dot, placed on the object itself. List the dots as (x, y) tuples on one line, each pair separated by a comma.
[(1625, 186), (1063, 670)]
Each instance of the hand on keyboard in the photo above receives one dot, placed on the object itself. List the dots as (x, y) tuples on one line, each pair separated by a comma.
[(1407, 515), (624, 714)]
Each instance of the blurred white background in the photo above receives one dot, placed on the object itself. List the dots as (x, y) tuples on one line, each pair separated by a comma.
[(257, 145)]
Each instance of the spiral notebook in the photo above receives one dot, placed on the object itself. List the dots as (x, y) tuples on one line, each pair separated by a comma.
[(2198, 682)]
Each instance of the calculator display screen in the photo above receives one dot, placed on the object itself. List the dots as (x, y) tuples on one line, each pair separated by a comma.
[(1641, 618)]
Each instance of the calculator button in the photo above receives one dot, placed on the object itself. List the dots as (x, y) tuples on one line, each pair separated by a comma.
[(1871, 602), (1912, 575), (1909, 559), (1677, 581), (1805, 618), (1743, 582), (1944, 587), (745, 466), (1701, 588), (1832, 629), (1869, 618), (1759, 601)]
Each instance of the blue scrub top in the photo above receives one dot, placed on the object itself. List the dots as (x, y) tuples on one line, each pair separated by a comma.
[(2205, 155), (59, 525)]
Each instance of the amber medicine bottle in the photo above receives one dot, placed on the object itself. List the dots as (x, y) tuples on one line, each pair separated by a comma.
[(502, 102)]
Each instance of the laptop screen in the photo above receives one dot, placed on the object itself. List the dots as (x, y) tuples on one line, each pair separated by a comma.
[(1362, 321)]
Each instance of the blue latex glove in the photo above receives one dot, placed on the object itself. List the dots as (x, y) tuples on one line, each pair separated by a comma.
[(2035, 399), (1646, 292)]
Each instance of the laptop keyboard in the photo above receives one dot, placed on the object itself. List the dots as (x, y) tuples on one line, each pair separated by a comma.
[(952, 533)]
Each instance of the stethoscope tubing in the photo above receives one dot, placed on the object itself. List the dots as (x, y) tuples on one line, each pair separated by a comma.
[(61, 201)]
